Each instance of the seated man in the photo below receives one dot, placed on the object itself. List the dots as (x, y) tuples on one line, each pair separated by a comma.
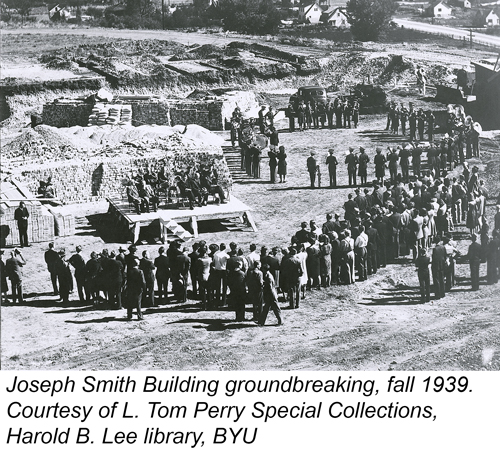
[(186, 190), (209, 182), (148, 196), (133, 197)]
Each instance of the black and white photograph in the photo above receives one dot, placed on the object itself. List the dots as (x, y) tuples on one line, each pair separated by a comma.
[(250, 185)]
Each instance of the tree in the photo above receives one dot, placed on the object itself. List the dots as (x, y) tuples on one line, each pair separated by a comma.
[(368, 18), (248, 16), (23, 7)]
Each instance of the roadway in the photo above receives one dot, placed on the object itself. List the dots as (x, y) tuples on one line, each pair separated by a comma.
[(455, 33)]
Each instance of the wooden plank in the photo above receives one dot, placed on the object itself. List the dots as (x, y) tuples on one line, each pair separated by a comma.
[(137, 231), (251, 222)]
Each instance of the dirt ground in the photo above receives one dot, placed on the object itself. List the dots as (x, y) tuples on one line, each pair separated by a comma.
[(379, 324), (375, 325)]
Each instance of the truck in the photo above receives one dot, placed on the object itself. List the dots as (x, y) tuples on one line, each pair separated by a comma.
[(314, 94)]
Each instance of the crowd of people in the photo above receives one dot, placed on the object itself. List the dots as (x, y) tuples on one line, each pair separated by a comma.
[(145, 189), (341, 112), (379, 225)]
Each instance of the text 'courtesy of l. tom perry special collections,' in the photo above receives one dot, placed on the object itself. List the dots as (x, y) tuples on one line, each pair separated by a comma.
[(236, 408)]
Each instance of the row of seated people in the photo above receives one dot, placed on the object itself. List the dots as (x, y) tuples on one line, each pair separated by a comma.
[(144, 190)]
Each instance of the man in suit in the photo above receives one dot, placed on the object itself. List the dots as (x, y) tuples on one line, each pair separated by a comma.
[(331, 162), (474, 255), (371, 248), (64, 277), (180, 274), (147, 267), (291, 270), (438, 268), (51, 258), (352, 163), (77, 261), (312, 165), (422, 263), (14, 269), (21, 215), (136, 285), (255, 284), (115, 280), (162, 274)]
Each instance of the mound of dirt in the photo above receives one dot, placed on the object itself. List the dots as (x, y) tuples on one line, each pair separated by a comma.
[(41, 143)]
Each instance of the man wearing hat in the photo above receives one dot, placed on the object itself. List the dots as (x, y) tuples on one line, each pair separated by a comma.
[(331, 162), (363, 165), (404, 157), (21, 215), (261, 120), (51, 258), (78, 262), (302, 236), (14, 269), (379, 161), (312, 166), (162, 274), (473, 184), (64, 277), (352, 163), (474, 256), (393, 158)]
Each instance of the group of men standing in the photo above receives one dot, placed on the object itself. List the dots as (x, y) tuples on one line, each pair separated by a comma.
[(338, 113)]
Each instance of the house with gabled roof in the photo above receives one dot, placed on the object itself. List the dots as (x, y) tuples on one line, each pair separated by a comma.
[(493, 18), (310, 13), (442, 10), (336, 16)]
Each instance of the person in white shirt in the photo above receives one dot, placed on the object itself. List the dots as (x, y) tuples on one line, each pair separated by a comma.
[(253, 256), (220, 275), (361, 252)]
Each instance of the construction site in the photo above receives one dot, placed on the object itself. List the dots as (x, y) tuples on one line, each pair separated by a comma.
[(99, 110)]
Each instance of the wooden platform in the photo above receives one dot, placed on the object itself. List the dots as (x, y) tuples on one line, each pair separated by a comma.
[(126, 216)]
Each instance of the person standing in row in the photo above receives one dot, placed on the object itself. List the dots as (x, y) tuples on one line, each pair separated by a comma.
[(270, 297), (64, 278), (77, 261), (21, 215), (331, 162), (363, 159), (403, 118), (14, 269), (474, 256), (312, 166), (51, 258), (282, 164), (255, 284), (136, 285), (352, 163), (273, 163), (422, 263), (379, 161), (290, 113)]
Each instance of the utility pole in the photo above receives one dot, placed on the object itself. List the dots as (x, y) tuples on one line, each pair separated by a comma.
[(470, 37)]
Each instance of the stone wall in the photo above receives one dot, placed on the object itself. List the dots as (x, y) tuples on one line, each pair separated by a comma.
[(89, 181), (66, 114), (206, 113)]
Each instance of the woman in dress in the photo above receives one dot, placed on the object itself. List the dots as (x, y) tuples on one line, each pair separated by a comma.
[(282, 164)]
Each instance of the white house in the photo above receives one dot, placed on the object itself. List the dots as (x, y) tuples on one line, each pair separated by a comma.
[(310, 13), (336, 17), (442, 10), (493, 18)]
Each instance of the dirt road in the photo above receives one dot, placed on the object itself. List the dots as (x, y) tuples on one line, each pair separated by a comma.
[(455, 33)]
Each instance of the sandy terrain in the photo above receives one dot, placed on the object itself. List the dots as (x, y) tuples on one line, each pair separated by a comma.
[(374, 325)]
